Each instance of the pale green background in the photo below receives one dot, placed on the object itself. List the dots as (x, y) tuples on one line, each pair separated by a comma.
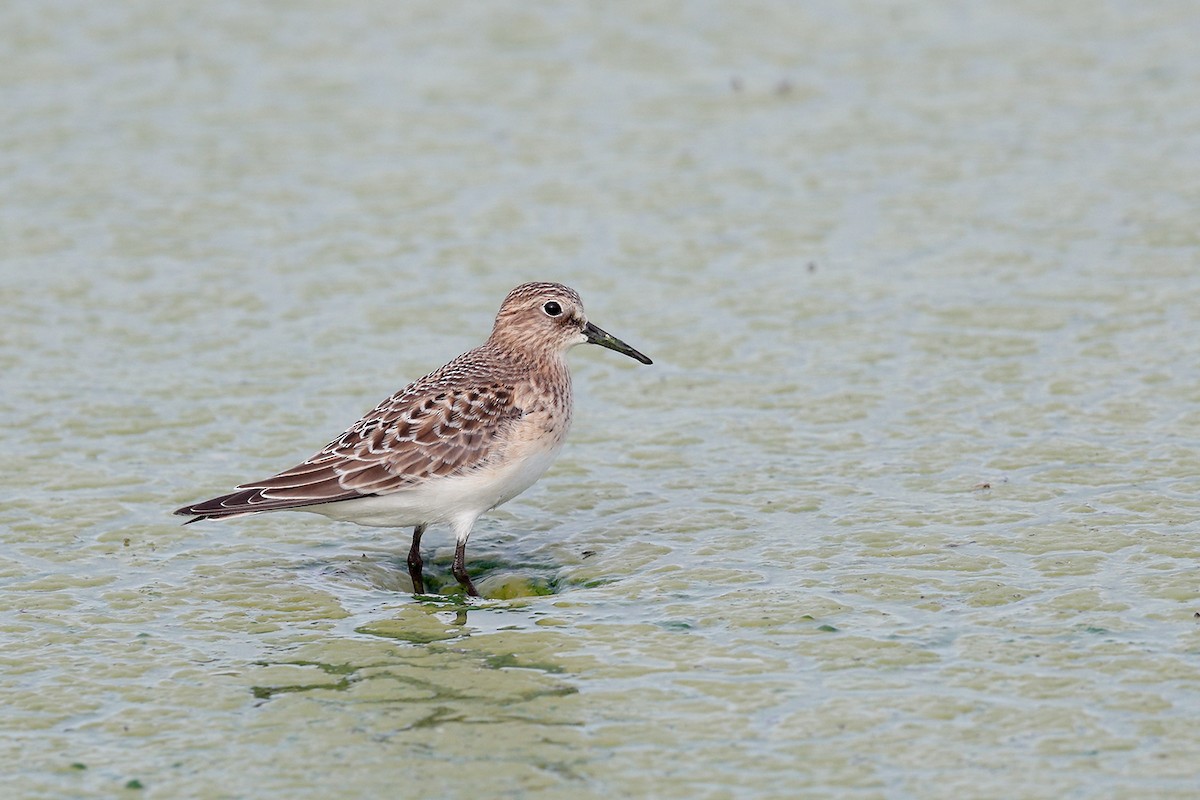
[(885, 255)]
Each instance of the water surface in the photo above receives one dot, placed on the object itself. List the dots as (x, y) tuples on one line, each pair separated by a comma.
[(906, 507)]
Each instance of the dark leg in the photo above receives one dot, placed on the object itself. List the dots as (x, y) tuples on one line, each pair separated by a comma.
[(460, 568), (414, 561)]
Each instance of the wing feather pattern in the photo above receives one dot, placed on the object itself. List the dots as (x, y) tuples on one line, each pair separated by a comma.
[(437, 427)]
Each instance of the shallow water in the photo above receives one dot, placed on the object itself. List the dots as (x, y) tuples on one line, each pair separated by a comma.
[(906, 507)]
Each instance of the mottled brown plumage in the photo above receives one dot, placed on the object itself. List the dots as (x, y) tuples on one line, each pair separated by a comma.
[(463, 439)]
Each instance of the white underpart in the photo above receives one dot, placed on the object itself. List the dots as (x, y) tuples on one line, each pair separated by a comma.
[(458, 500)]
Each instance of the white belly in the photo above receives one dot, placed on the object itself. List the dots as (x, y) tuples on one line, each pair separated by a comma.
[(449, 499)]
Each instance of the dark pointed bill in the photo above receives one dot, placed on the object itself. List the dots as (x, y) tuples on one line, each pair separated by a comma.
[(604, 339)]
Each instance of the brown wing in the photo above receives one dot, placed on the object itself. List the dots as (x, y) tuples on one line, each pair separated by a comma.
[(428, 430)]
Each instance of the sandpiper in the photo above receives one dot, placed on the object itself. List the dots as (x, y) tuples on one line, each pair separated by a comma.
[(452, 445)]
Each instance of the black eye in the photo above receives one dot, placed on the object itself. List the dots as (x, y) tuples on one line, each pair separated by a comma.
[(552, 308)]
